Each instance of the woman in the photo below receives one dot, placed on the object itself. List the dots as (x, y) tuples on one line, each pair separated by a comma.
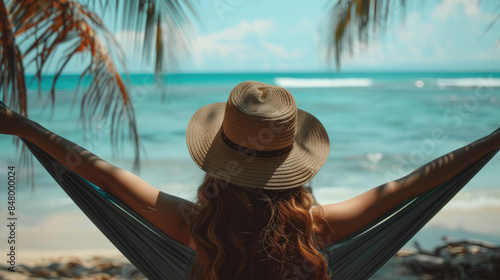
[(253, 218)]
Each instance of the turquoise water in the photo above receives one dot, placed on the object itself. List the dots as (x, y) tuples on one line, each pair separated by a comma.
[(381, 126)]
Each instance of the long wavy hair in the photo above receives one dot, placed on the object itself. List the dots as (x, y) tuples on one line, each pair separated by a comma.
[(242, 233)]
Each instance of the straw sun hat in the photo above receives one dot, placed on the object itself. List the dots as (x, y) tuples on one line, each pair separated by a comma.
[(258, 139)]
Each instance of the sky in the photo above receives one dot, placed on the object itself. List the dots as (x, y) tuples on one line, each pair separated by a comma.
[(270, 36), (285, 36)]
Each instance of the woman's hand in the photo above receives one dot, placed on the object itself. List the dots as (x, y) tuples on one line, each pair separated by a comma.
[(12, 123)]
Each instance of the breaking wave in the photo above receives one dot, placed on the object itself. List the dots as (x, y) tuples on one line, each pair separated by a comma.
[(322, 82)]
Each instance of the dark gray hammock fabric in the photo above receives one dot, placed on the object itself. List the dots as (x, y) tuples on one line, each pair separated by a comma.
[(158, 256)]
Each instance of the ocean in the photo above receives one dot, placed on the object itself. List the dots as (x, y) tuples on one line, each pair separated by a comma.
[(381, 127)]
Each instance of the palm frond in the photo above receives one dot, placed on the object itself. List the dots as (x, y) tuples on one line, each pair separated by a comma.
[(350, 20), (70, 28), (162, 28), (492, 23), (13, 90), (12, 80)]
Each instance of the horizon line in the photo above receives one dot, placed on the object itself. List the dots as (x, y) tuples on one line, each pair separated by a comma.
[(387, 71)]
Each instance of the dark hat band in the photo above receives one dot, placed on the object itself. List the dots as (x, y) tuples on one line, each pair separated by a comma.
[(252, 152)]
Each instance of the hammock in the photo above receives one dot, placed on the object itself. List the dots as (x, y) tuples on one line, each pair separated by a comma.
[(158, 256)]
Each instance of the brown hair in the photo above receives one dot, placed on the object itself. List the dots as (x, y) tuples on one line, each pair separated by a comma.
[(243, 233)]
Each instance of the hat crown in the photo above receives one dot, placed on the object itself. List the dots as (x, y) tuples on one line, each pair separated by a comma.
[(260, 117)]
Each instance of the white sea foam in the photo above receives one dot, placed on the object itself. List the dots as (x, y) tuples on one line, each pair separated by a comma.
[(469, 82), (322, 82)]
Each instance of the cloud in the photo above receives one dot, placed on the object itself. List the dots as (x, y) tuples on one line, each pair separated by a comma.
[(281, 52), (230, 42), (258, 27), (416, 46), (419, 42), (176, 48), (305, 26), (246, 41), (449, 8), (128, 39)]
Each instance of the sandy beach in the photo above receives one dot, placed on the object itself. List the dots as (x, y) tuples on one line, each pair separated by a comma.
[(110, 264), (65, 264)]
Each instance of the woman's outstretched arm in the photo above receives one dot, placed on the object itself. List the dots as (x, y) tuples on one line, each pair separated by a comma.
[(159, 208), (349, 216)]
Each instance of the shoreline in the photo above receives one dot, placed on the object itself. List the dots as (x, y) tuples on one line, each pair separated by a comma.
[(405, 265)]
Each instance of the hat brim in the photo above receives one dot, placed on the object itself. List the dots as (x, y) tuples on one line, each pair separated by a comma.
[(210, 152)]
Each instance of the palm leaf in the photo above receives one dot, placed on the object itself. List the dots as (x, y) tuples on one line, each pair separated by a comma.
[(13, 90), (71, 28), (492, 23), (12, 82), (163, 27), (350, 20)]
